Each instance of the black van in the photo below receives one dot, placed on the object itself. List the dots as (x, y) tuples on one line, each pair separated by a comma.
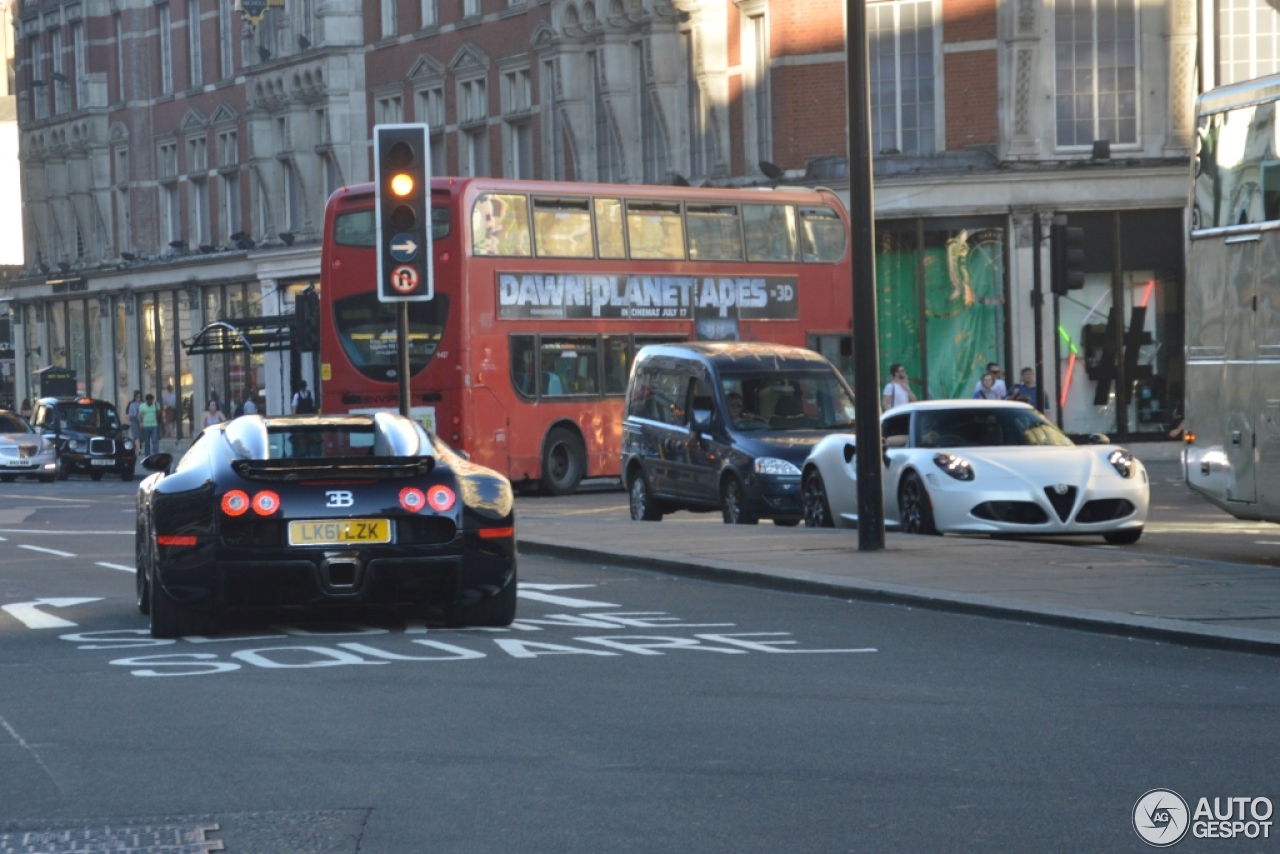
[(726, 425)]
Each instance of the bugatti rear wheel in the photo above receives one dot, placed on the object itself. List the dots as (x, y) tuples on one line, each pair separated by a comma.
[(496, 610), (817, 510)]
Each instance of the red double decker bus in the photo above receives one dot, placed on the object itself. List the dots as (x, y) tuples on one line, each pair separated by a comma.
[(545, 291)]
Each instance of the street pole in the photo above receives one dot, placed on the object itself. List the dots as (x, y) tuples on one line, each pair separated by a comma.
[(402, 352), (1037, 304), (866, 350)]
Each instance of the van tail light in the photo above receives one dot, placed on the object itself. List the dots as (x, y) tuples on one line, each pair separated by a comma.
[(266, 502), (235, 503), (441, 498), (412, 499)]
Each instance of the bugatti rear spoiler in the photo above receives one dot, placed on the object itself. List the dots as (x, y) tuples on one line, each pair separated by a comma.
[(334, 468)]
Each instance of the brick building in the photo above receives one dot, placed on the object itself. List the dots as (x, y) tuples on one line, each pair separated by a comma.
[(176, 157)]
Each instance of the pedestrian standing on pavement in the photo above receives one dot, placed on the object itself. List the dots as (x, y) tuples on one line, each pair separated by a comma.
[(987, 389), (135, 426), (250, 403), (898, 390), (1027, 390), (149, 415), (997, 382)]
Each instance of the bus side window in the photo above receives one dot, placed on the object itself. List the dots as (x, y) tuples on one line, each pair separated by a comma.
[(617, 358), (715, 233), (500, 226), (524, 377), (823, 233), (609, 228), (562, 228), (655, 230), (771, 232)]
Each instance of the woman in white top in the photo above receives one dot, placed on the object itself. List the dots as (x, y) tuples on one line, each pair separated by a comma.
[(898, 390), (213, 415)]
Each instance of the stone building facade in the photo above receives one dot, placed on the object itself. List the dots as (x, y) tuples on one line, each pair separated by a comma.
[(176, 157)]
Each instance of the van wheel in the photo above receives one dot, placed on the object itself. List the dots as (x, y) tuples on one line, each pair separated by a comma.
[(564, 462), (733, 503), (643, 507)]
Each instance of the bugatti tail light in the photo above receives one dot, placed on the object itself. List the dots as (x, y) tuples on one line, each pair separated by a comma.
[(235, 503), (441, 498), (412, 499), (266, 502)]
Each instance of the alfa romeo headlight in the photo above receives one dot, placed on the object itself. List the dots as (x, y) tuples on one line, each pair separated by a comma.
[(1122, 461), (774, 466), (957, 467)]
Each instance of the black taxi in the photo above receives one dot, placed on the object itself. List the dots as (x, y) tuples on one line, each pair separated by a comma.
[(89, 435)]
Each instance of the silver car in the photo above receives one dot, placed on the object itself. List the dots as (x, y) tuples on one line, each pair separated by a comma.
[(24, 452)]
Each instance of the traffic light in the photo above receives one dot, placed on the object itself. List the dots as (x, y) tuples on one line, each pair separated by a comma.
[(1066, 258), (306, 306), (402, 190)]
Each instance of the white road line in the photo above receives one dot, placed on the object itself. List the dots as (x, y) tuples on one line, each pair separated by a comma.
[(566, 601), (64, 533), (30, 615), (118, 566), (47, 551)]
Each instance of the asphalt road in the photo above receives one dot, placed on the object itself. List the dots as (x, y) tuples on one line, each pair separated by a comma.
[(625, 711)]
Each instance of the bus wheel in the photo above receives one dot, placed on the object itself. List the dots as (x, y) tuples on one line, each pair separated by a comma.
[(564, 462)]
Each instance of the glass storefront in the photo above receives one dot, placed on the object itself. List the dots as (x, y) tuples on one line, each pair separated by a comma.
[(1120, 337), (941, 301)]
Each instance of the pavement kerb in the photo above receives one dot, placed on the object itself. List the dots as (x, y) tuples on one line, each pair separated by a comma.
[(1083, 619)]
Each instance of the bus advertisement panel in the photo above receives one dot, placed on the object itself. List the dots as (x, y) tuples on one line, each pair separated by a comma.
[(544, 293)]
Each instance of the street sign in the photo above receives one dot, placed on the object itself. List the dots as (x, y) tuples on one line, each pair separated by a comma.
[(404, 279), (403, 248), (402, 205)]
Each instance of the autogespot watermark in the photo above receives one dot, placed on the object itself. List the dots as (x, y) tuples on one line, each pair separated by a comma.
[(1161, 818)]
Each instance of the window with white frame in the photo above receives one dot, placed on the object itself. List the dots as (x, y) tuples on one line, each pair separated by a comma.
[(60, 80), (167, 160), (391, 110), (37, 76), (119, 28), (1248, 40), (304, 14), (430, 17), (198, 218), (1096, 71), (197, 154), (229, 204), (431, 111), (757, 97), (166, 49), (608, 151), (473, 127), (332, 174), (292, 196), (470, 8), (225, 41), (78, 64), (517, 101), (388, 18), (170, 214), (552, 130), (902, 40), (228, 147), (193, 41)]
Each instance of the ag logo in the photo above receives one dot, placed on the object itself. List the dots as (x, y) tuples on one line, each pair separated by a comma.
[(1160, 817), (339, 498)]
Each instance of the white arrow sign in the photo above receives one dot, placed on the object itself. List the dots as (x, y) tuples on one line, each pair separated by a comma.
[(407, 248), (30, 615)]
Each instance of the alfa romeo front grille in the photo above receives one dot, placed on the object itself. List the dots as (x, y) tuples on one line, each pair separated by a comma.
[(1062, 501)]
